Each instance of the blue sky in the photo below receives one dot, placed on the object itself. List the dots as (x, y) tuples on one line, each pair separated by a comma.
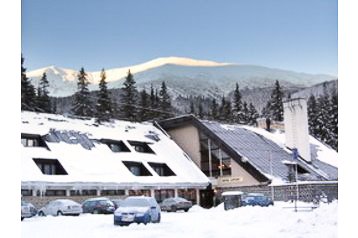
[(298, 35)]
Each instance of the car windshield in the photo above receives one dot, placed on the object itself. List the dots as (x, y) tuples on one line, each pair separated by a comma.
[(135, 203), (105, 202)]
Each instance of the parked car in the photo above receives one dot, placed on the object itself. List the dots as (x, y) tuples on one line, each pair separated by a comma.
[(100, 205), (60, 207), (117, 202), (175, 204), (257, 199), (27, 210), (137, 209)]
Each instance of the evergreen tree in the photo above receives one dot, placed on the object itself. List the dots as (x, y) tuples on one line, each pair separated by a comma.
[(165, 101), (200, 110), (253, 115), (214, 110), (238, 115), (144, 103), (312, 111), (28, 95), (275, 104), (333, 113), (225, 112), (81, 104), (129, 98), (192, 109), (104, 107), (246, 114), (153, 104), (43, 98), (324, 106)]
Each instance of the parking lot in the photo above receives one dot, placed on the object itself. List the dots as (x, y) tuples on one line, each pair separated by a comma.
[(262, 222)]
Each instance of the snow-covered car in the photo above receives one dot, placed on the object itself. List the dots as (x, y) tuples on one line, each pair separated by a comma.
[(27, 210), (137, 209), (99, 205), (60, 207), (175, 204), (257, 199)]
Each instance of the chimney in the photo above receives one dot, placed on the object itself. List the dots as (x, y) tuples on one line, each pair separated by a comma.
[(296, 126)]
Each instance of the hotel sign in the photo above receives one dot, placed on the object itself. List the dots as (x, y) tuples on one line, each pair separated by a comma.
[(230, 180)]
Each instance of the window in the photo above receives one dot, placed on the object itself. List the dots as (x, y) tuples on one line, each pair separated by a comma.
[(55, 193), (112, 192), (162, 169), (31, 140), (137, 168), (141, 147), (50, 166), (142, 192), (116, 146)]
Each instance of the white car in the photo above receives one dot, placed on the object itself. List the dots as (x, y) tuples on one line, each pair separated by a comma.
[(60, 207), (137, 209)]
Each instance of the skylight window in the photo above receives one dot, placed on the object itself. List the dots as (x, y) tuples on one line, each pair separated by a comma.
[(137, 168), (162, 169), (32, 140), (141, 147), (50, 166), (116, 146)]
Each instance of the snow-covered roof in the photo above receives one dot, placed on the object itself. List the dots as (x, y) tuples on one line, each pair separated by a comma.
[(76, 145), (265, 151)]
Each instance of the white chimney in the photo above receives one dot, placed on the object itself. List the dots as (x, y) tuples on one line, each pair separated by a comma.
[(296, 126)]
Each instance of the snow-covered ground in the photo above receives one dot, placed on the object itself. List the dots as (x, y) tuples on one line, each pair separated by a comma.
[(277, 221)]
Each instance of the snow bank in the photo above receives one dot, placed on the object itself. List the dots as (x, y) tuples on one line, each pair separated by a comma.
[(277, 221)]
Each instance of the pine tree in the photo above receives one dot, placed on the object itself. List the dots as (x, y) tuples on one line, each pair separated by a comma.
[(28, 95), (192, 108), (333, 120), (153, 103), (43, 98), (225, 112), (238, 115), (324, 106), (104, 107), (253, 115), (275, 104), (214, 110), (165, 101), (129, 98), (312, 111), (81, 104), (200, 110), (246, 113), (144, 103)]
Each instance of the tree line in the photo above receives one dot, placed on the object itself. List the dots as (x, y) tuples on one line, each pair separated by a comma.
[(137, 105)]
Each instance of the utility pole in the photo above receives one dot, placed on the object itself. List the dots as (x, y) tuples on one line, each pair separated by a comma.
[(210, 159)]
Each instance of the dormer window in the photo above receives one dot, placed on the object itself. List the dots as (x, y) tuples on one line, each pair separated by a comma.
[(137, 168), (162, 169), (141, 147), (32, 140), (50, 166), (116, 146)]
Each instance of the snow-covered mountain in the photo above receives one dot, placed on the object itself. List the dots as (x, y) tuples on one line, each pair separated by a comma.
[(183, 76)]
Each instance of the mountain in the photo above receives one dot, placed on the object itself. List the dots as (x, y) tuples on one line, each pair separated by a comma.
[(183, 76)]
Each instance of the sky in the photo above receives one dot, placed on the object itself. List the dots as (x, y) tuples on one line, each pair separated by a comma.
[(299, 35)]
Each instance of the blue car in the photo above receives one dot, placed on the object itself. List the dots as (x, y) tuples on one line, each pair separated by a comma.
[(138, 210), (256, 199)]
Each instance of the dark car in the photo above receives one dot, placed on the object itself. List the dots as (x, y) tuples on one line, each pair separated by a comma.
[(256, 199), (175, 204), (99, 205)]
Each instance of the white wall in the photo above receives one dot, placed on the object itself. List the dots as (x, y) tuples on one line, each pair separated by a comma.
[(296, 126)]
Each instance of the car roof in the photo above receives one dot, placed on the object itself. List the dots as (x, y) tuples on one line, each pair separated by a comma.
[(97, 199)]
